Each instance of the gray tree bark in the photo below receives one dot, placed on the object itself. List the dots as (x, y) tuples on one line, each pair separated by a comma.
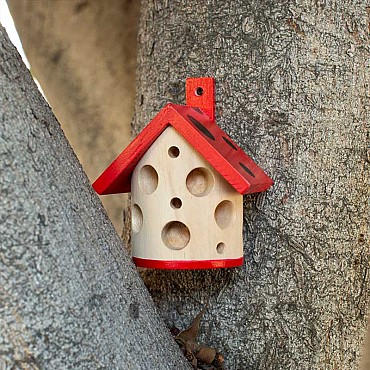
[(70, 298), (83, 53), (292, 91)]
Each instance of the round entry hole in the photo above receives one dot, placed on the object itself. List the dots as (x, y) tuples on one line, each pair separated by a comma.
[(224, 214), (136, 218), (220, 248), (176, 203), (148, 179), (176, 235), (173, 151), (199, 181)]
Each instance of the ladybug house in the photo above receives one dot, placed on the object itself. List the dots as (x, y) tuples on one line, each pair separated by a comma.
[(187, 179)]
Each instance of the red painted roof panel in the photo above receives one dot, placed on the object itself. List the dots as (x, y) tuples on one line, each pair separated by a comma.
[(204, 135)]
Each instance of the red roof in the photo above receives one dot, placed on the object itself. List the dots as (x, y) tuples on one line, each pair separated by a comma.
[(204, 135)]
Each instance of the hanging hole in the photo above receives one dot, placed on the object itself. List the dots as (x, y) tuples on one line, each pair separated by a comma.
[(199, 91), (174, 152), (136, 218), (175, 235), (199, 181), (220, 248), (148, 179), (176, 203)]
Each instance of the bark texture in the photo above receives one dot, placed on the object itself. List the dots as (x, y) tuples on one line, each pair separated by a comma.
[(365, 361), (292, 91), (83, 53), (70, 297)]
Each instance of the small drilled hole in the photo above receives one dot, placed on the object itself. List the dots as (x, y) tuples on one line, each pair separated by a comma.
[(199, 91), (136, 218), (174, 152), (148, 179), (199, 181), (175, 235), (176, 203), (220, 248), (224, 214)]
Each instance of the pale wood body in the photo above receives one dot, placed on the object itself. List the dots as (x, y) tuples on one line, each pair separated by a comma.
[(211, 234)]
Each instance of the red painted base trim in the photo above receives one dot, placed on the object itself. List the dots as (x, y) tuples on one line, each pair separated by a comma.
[(187, 265)]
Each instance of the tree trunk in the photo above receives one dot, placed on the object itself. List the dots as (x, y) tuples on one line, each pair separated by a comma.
[(70, 297), (83, 53), (291, 91)]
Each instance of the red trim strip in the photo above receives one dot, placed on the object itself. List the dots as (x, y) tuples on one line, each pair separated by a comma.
[(187, 265)]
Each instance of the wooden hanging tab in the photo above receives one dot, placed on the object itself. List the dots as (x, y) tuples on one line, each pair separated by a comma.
[(200, 93)]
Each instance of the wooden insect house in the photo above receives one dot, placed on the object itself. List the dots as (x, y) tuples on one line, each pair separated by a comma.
[(187, 179)]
